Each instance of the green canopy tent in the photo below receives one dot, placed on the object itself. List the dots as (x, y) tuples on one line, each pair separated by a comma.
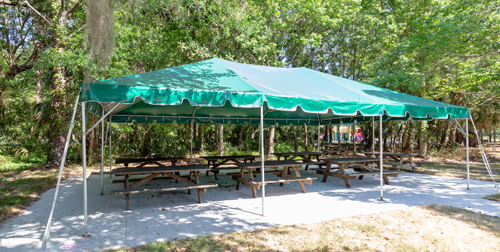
[(221, 91)]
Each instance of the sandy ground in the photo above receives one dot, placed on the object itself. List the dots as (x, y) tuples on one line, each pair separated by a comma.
[(225, 210)]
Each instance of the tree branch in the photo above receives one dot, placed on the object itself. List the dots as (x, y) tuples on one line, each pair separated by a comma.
[(7, 2), (62, 5), (34, 10), (73, 34), (73, 8)]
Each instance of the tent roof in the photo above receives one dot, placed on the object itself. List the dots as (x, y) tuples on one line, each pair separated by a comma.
[(222, 91)]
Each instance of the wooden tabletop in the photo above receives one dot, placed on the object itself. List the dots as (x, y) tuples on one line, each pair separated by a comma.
[(393, 154), (228, 157), (297, 153), (331, 145), (159, 169), (349, 160), (142, 160), (270, 164)]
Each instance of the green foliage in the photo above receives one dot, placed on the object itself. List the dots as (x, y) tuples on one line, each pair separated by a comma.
[(442, 50)]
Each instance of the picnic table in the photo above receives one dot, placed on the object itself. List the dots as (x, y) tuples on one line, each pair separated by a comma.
[(307, 157), (145, 161), (360, 166), (331, 149), (400, 159), (249, 168), (214, 162), (153, 173)]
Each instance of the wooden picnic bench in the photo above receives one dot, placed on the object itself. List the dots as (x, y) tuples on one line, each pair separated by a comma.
[(218, 163), (400, 159), (359, 164), (145, 161), (154, 172), (308, 157), (249, 168), (331, 149)]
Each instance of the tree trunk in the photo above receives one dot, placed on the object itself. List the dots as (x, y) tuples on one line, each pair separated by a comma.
[(221, 140), (451, 139), (270, 144), (38, 92), (421, 147), (295, 143), (240, 140), (147, 139), (494, 135), (442, 141), (305, 137), (489, 135), (58, 118), (202, 133)]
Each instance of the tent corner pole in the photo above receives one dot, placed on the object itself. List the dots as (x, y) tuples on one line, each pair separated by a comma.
[(191, 141), (101, 174), (467, 149), (46, 234), (373, 140), (110, 128), (319, 132), (262, 156), (84, 158), (381, 162)]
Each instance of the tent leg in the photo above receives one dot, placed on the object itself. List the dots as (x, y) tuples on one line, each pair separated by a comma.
[(262, 157), (381, 162), (102, 156), (68, 138), (373, 141), (338, 136), (467, 149), (191, 141), (109, 129), (319, 132), (84, 158)]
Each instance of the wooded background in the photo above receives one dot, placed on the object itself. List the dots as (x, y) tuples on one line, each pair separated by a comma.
[(441, 50)]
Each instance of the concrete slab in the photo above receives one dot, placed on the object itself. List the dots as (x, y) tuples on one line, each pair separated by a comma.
[(224, 210)]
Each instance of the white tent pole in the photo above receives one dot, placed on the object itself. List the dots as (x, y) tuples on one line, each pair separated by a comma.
[(191, 141), (319, 132), (381, 162), (102, 118), (262, 156), (102, 156), (467, 148), (68, 138), (84, 157), (338, 136), (110, 128), (373, 140)]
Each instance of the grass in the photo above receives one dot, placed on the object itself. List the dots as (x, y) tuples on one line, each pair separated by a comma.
[(477, 170), (17, 191), (427, 228), (13, 166), (493, 197)]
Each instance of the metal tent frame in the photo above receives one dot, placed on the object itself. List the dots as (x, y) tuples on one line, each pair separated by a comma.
[(261, 153)]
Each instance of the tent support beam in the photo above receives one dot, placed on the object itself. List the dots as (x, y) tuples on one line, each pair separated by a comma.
[(467, 150), (110, 161), (191, 129), (373, 140), (262, 157), (101, 174), (381, 162), (84, 158), (483, 154), (102, 118), (46, 234), (319, 138)]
